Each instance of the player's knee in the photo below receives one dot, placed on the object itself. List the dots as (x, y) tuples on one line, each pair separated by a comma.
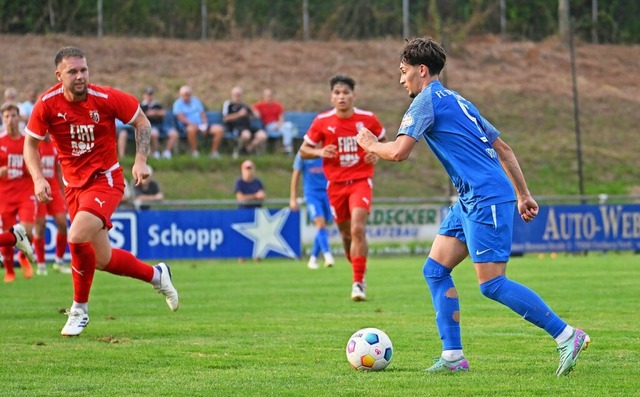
[(491, 288), (432, 270)]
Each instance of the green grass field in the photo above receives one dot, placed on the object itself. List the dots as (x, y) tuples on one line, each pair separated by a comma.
[(276, 328)]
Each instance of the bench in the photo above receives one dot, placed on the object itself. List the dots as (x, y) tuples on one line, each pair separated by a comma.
[(301, 120)]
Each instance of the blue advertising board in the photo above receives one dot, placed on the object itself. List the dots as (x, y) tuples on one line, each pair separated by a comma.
[(571, 228)]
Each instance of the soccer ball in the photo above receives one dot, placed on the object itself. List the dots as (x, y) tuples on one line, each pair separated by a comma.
[(369, 349)]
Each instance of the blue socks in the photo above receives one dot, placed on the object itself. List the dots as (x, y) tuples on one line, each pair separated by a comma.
[(525, 302), (445, 302), (322, 236)]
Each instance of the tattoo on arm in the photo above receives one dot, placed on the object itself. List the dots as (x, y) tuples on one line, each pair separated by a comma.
[(143, 138)]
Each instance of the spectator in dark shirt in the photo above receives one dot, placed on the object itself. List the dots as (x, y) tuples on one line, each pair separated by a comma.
[(148, 191), (239, 119), (249, 189)]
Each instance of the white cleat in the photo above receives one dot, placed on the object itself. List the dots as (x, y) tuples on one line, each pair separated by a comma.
[(329, 261), (23, 243), (61, 267), (166, 288), (76, 322), (358, 292), (42, 269), (313, 263)]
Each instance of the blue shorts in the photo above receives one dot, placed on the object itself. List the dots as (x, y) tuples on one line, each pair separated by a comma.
[(488, 232), (318, 205)]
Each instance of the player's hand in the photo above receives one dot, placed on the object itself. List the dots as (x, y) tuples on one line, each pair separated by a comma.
[(329, 151), (293, 204), (527, 208), (366, 138), (371, 158), (140, 172), (42, 190)]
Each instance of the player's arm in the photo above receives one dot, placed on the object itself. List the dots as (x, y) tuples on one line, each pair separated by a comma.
[(140, 171), (31, 155), (293, 190), (527, 206), (397, 150)]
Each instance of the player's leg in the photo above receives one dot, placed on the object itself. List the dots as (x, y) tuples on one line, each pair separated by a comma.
[(323, 232), (24, 236), (60, 219), (7, 242), (359, 201), (38, 239), (490, 239)]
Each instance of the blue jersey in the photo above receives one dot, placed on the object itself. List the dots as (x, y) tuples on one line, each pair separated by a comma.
[(313, 178), (462, 140)]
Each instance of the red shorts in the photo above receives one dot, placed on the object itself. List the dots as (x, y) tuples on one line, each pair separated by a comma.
[(24, 210), (100, 196), (345, 196), (55, 206)]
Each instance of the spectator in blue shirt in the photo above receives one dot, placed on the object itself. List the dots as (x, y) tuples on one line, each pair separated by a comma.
[(249, 190), (191, 119)]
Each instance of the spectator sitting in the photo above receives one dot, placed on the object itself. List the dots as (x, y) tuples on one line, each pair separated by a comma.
[(148, 191), (249, 190), (155, 113), (124, 132), (271, 113), (192, 119), (237, 116)]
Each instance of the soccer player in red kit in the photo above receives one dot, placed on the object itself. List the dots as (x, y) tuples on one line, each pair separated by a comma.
[(80, 117), (56, 208), (17, 198), (349, 171)]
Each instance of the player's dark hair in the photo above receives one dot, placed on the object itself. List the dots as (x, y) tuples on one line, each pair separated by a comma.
[(342, 79), (424, 51), (68, 52), (8, 106)]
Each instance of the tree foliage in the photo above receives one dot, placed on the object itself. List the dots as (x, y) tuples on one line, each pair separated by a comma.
[(618, 20)]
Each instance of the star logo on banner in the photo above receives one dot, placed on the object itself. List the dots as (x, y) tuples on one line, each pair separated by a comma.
[(266, 233)]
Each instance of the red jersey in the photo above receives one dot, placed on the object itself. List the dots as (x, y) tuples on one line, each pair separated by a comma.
[(327, 128), (49, 160), (84, 133), (16, 185), (269, 111)]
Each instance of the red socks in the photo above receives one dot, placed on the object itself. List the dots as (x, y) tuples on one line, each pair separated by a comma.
[(359, 266), (83, 266), (123, 263), (38, 244), (7, 239), (61, 245)]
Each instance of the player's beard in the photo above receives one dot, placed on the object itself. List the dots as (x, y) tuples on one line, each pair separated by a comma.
[(79, 92)]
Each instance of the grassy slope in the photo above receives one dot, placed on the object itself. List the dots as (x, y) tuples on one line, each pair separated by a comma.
[(524, 88)]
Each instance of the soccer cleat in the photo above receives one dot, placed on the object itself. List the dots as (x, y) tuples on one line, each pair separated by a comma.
[(313, 264), (9, 277), (76, 322), (165, 286), (25, 266), (23, 243), (570, 350), (440, 364), (358, 292), (61, 267), (329, 261), (42, 269)]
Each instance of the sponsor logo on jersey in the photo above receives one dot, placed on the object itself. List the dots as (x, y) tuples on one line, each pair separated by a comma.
[(407, 121), (95, 116)]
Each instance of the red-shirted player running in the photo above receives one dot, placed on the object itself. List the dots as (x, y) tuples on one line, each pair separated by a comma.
[(349, 170), (56, 208), (17, 198), (80, 117)]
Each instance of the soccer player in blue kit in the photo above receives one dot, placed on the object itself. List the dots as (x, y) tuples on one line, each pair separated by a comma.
[(490, 184), (314, 187)]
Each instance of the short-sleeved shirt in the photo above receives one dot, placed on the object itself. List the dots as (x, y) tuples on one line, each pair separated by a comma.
[(462, 140), (242, 123), (248, 187), (16, 185), (270, 112), (327, 128), (313, 179), (84, 133), (153, 105), (192, 110)]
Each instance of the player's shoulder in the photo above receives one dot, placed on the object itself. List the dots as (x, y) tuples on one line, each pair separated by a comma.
[(363, 113), (53, 93), (326, 115)]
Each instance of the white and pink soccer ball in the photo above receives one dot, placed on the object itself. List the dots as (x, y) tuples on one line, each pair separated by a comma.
[(369, 349)]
